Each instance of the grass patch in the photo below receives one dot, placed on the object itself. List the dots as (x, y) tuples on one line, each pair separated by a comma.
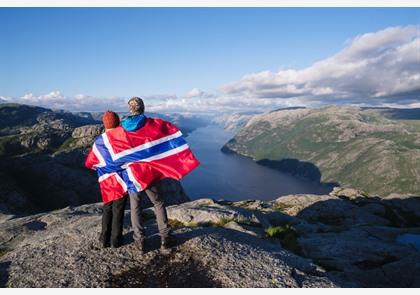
[(220, 223), (287, 235), (67, 144), (175, 223), (248, 223), (3, 251), (223, 221), (178, 224), (195, 224)]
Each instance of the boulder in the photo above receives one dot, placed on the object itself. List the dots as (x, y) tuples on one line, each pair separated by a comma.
[(349, 193), (87, 131), (294, 204), (207, 211)]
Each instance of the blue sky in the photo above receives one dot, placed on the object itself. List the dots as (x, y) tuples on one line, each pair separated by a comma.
[(104, 52)]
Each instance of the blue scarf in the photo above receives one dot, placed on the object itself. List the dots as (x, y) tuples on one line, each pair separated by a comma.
[(132, 123)]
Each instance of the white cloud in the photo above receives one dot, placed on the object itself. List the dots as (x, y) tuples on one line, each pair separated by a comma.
[(383, 65), (82, 102), (196, 92), (380, 68)]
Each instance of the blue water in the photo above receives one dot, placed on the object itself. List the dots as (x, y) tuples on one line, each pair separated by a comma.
[(233, 177)]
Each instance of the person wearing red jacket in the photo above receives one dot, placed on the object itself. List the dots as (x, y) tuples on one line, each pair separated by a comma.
[(113, 208)]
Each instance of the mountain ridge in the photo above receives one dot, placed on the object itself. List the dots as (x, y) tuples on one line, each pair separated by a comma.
[(349, 146)]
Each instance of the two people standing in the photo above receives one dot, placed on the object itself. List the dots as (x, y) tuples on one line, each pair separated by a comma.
[(132, 159)]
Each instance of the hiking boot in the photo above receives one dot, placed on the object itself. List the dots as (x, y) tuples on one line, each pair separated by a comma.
[(117, 243), (140, 245), (104, 242), (166, 244)]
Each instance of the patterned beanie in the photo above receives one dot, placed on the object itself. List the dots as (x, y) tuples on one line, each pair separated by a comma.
[(136, 106)]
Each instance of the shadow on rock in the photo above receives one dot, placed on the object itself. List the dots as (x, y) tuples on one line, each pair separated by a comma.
[(359, 239), (4, 273), (165, 271)]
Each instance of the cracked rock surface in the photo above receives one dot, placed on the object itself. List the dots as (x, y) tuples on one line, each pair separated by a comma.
[(222, 244)]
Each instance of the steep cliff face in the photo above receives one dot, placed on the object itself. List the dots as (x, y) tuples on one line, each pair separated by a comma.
[(344, 239), (348, 146), (41, 170)]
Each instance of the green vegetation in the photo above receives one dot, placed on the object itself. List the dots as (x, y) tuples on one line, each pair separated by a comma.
[(223, 221), (220, 223), (351, 147), (287, 235), (66, 144), (175, 223), (414, 125), (3, 251)]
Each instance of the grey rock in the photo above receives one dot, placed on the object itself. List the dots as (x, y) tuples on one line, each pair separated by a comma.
[(218, 245), (349, 193), (361, 254), (327, 209), (87, 131), (45, 255), (206, 211), (294, 204), (254, 231)]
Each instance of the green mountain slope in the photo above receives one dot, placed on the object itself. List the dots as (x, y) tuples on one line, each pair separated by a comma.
[(354, 147)]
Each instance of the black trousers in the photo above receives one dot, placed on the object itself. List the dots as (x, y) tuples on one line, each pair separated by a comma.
[(112, 222)]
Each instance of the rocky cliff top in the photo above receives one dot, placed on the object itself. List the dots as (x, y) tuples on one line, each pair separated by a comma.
[(344, 239)]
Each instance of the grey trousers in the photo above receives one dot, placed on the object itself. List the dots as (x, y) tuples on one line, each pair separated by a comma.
[(160, 212)]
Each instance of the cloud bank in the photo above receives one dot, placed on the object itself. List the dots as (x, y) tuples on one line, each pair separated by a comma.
[(374, 69)]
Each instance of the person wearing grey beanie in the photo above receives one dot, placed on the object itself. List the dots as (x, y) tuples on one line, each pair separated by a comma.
[(133, 123)]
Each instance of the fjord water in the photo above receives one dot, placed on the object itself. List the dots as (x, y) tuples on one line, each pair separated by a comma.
[(234, 177)]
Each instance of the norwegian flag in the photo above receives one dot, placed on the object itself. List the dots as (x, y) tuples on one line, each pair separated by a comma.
[(132, 161)]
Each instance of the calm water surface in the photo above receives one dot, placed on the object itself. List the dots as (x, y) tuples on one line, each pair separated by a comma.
[(233, 177)]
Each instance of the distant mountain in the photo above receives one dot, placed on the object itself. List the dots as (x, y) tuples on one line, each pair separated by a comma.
[(187, 123), (398, 114), (347, 146), (233, 122)]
